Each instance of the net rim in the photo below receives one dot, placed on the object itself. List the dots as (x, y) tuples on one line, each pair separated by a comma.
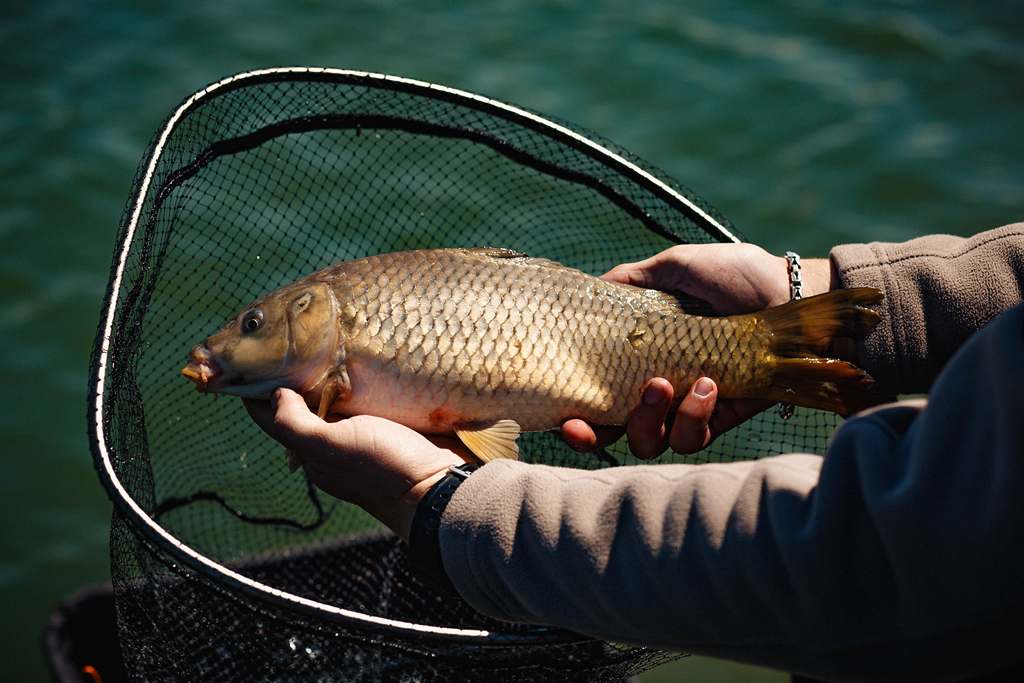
[(150, 528)]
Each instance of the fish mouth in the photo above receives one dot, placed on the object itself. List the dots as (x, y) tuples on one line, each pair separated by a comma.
[(201, 368)]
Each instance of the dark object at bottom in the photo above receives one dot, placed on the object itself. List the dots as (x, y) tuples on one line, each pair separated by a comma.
[(191, 629), (80, 639), (81, 635)]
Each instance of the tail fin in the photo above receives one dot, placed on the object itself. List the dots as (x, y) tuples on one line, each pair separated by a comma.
[(803, 331)]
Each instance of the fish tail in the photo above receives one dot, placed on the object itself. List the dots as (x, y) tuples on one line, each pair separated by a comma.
[(801, 335)]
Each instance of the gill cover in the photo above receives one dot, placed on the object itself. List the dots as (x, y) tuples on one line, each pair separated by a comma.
[(287, 339)]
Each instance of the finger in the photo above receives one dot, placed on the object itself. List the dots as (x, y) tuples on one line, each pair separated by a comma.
[(583, 437), (294, 424), (690, 432), (660, 271), (579, 435), (640, 274), (646, 427), (626, 273)]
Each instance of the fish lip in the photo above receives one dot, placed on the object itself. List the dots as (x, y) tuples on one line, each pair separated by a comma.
[(201, 368)]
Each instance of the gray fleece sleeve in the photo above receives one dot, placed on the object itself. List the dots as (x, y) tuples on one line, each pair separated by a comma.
[(897, 555), (938, 290)]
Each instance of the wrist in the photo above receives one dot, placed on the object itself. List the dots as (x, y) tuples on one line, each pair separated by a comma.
[(819, 276), (406, 508), (424, 543)]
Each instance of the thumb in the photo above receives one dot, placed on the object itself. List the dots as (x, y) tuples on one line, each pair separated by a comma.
[(626, 273), (657, 272), (295, 425)]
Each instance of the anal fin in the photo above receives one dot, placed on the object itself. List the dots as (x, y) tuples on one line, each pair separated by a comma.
[(491, 441)]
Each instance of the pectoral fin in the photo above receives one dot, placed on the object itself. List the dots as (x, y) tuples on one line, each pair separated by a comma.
[(490, 441), (337, 387)]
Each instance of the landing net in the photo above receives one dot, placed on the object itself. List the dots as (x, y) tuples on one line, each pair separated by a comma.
[(225, 566)]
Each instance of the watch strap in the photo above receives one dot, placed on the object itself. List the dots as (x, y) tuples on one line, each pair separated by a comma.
[(424, 535)]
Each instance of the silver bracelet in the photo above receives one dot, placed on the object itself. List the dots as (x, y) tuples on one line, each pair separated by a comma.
[(796, 283), (796, 292)]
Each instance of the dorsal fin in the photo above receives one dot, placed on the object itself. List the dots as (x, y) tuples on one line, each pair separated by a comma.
[(520, 258), (496, 252)]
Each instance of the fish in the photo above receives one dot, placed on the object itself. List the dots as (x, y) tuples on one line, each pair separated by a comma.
[(486, 343)]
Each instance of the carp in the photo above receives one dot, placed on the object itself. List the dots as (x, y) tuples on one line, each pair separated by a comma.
[(485, 343)]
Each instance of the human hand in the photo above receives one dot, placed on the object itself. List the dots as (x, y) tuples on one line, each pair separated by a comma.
[(732, 278), (380, 465)]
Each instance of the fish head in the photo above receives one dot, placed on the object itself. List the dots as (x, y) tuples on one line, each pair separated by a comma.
[(289, 338)]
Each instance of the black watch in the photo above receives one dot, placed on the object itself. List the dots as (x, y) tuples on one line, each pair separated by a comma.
[(424, 542)]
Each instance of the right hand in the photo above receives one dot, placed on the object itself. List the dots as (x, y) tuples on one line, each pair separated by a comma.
[(380, 465), (732, 278)]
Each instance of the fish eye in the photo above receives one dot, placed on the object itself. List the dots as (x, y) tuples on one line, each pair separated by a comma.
[(252, 321)]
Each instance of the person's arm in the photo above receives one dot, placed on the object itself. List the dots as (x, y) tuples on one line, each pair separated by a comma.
[(899, 554), (938, 290)]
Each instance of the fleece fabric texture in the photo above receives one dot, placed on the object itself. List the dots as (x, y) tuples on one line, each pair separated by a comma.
[(897, 555), (939, 290)]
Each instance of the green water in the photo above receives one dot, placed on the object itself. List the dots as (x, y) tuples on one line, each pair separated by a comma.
[(807, 123)]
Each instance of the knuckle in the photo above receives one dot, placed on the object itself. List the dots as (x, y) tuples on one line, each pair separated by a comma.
[(693, 412), (281, 421), (676, 252)]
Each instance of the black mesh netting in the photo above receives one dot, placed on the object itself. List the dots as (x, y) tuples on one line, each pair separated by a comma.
[(255, 182)]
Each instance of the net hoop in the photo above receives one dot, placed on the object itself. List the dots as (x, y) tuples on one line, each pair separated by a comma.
[(149, 528)]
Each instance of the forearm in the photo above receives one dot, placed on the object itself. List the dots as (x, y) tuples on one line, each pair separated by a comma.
[(907, 536), (650, 554), (938, 291)]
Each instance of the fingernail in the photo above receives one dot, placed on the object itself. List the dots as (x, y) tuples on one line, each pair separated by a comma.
[(652, 396), (703, 387)]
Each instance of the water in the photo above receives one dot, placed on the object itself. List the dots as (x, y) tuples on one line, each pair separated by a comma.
[(806, 123)]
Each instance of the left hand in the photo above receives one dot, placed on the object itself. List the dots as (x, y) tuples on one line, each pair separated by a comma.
[(380, 465)]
